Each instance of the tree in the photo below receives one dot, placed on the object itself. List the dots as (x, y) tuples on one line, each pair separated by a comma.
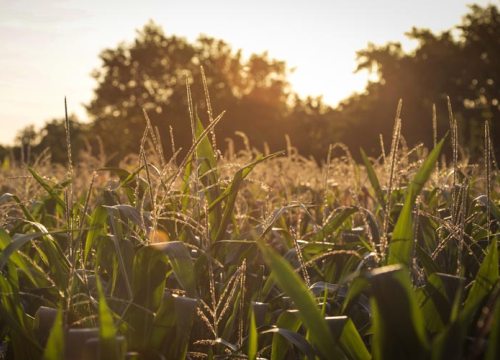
[(25, 140), (51, 137), (313, 127), (463, 67), (150, 73)]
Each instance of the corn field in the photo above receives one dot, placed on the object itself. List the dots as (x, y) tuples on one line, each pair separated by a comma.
[(225, 254)]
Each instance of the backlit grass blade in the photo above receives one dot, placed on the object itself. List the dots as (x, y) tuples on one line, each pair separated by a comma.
[(17, 324), (333, 223), (54, 350), (437, 299), (493, 347), (286, 333), (240, 175), (401, 245), (372, 176), (208, 174), (51, 250), (47, 248), (17, 243), (182, 264), (309, 313), (252, 337), (288, 321), (33, 273), (352, 343), (8, 196), (50, 189), (97, 228), (172, 326), (231, 193), (398, 327), (109, 347), (486, 278), (185, 184)]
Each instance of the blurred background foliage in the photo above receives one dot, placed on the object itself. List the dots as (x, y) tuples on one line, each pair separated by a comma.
[(150, 73)]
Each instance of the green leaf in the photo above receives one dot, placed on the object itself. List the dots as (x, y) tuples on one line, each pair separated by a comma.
[(19, 324), (426, 260), (122, 247), (333, 223), (231, 192), (204, 150), (493, 349), (398, 327), (288, 321), (13, 246), (48, 250), (352, 343), (34, 274), (285, 331), (172, 326), (401, 245), (110, 347), (148, 280), (252, 337), (185, 184), (52, 254), (50, 189), (372, 176), (97, 228), (181, 263), (8, 196), (445, 344), (208, 175), (309, 313), (54, 350), (437, 299), (148, 286), (485, 279)]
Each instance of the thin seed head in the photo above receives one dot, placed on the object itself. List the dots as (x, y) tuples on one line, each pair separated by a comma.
[(396, 136), (172, 140), (434, 125), (487, 161), (209, 109), (190, 107), (300, 257), (68, 139)]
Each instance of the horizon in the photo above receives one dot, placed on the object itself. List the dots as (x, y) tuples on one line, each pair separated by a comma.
[(50, 50)]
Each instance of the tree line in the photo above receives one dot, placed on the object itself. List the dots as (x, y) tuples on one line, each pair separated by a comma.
[(151, 74)]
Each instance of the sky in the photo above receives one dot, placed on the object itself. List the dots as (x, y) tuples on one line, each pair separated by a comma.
[(49, 48)]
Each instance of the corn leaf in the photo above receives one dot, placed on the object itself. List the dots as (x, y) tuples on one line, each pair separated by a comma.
[(54, 350), (309, 312), (372, 176), (398, 327), (401, 245), (182, 264)]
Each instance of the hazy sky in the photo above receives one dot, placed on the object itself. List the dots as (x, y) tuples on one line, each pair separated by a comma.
[(48, 48)]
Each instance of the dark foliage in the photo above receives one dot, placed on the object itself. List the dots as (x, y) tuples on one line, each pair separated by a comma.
[(150, 73)]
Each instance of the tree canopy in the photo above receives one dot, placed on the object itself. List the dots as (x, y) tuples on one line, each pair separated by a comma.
[(461, 63), (150, 73)]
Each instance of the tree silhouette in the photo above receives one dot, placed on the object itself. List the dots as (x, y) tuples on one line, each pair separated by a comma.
[(52, 136), (151, 74), (462, 66)]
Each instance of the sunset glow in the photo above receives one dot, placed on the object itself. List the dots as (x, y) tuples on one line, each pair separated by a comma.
[(49, 48)]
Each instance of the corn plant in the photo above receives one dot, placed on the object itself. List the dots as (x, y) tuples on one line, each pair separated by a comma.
[(250, 255)]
